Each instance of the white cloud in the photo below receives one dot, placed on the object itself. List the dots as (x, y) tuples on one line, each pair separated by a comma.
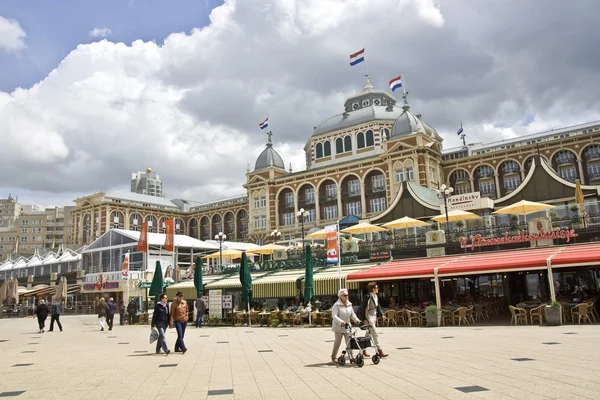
[(12, 36), (100, 32), (190, 108)]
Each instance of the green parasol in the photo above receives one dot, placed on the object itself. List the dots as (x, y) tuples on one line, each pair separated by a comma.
[(309, 282), (156, 287), (246, 281), (198, 278)]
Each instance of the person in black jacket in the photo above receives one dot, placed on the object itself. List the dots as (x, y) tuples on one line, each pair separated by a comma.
[(160, 320), (370, 310), (110, 313), (132, 309), (42, 313), (56, 311)]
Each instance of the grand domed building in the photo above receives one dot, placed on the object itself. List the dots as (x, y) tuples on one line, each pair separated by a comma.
[(374, 160)]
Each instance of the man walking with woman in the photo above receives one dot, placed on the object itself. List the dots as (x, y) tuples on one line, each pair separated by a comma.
[(179, 318)]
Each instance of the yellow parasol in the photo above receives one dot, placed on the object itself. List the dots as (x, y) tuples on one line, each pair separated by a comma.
[(579, 199), (321, 234), (268, 249), (524, 208), (228, 254), (456, 215), (363, 227), (405, 223)]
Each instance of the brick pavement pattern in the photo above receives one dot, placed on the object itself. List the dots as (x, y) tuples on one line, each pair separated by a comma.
[(495, 362)]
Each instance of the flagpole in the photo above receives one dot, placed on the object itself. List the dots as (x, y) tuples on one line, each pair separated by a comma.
[(128, 262), (366, 65), (403, 83), (339, 256)]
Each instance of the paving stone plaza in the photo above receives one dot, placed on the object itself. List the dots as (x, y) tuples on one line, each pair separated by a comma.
[(496, 362)]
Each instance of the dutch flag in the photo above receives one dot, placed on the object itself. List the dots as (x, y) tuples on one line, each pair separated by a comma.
[(460, 130), (264, 124), (357, 57), (396, 83)]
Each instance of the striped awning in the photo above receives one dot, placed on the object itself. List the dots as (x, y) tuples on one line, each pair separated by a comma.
[(326, 281), (187, 287), (232, 282), (279, 284)]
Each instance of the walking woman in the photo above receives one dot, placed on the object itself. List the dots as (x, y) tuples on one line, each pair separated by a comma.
[(341, 315), (101, 309), (42, 313)]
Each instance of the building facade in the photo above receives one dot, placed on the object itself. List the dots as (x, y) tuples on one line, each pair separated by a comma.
[(356, 162), (38, 232)]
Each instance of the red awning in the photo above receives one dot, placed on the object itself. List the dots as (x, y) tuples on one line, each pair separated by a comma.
[(577, 255), (479, 263)]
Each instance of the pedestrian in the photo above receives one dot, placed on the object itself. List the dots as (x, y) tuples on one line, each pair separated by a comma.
[(179, 318), (132, 309), (56, 311), (41, 311), (160, 320), (122, 310), (200, 305), (101, 309), (110, 313), (371, 309), (341, 315)]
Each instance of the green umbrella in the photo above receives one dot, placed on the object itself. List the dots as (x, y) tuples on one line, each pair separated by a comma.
[(246, 281), (198, 278), (309, 282), (156, 287)]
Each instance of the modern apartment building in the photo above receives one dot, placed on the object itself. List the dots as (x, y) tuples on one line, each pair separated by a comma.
[(147, 183)]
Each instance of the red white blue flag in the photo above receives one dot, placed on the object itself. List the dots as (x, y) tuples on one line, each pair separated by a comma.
[(264, 124), (357, 57), (396, 83)]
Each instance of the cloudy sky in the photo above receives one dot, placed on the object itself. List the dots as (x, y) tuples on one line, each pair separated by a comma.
[(93, 91)]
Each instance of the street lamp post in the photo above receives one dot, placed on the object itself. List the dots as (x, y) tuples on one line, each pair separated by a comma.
[(301, 217), (220, 237), (275, 235), (445, 192)]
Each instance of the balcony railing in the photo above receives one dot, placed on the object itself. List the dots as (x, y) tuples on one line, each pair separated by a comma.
[(324, 199), (592, 156), (485, 174), (564, 160), (487, 191), (461, 178), (510, 170), (594, 176), (286, 205)]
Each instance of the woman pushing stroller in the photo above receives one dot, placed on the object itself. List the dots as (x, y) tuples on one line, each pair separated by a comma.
[(341, 315)]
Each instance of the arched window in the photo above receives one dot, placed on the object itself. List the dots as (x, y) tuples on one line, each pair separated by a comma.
[(339, 146), (327, 149), (386, 133), (319, 150), (348, 143), (360, 140), (370, 138)]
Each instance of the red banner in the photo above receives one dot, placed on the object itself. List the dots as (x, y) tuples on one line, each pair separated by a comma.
[(125, 268), (143, 242), (170, 231)]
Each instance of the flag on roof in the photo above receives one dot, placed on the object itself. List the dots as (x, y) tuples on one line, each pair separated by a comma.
[(460, 130), (264, 124), (396, 83), (357, 57)]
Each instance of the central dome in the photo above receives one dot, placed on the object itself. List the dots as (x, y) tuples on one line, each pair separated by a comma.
[(269, 157)]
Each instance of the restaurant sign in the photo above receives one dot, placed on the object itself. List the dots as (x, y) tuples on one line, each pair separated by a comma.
[(101, 286), (468, 201), (479, 241), (380, 256)]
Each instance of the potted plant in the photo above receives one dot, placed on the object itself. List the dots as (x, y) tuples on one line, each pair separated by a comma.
[(513, 219), (460, 224), (274, 322), (432, 313), (553, 312), (574, 208), (435, 226)]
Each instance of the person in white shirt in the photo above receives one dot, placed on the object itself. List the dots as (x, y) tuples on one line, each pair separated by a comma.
[(371, 310), (341, 315)]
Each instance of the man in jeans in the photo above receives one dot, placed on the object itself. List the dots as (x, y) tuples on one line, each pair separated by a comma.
[(179, 318), (160, 320), (110, 313), (371, 309), (56, 311)]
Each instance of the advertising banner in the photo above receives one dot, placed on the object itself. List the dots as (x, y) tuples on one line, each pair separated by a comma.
[(332, 243)]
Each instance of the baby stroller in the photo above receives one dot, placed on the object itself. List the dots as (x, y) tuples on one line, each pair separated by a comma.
[(358, 344)]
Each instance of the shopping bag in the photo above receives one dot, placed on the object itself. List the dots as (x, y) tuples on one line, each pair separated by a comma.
[(153, 335)]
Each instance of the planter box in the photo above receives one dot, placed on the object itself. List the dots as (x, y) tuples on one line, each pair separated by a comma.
[(553, 316), (432, 318)]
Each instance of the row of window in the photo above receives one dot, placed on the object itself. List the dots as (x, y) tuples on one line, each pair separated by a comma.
[(260, 201), (344, 145), (330, 212)]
